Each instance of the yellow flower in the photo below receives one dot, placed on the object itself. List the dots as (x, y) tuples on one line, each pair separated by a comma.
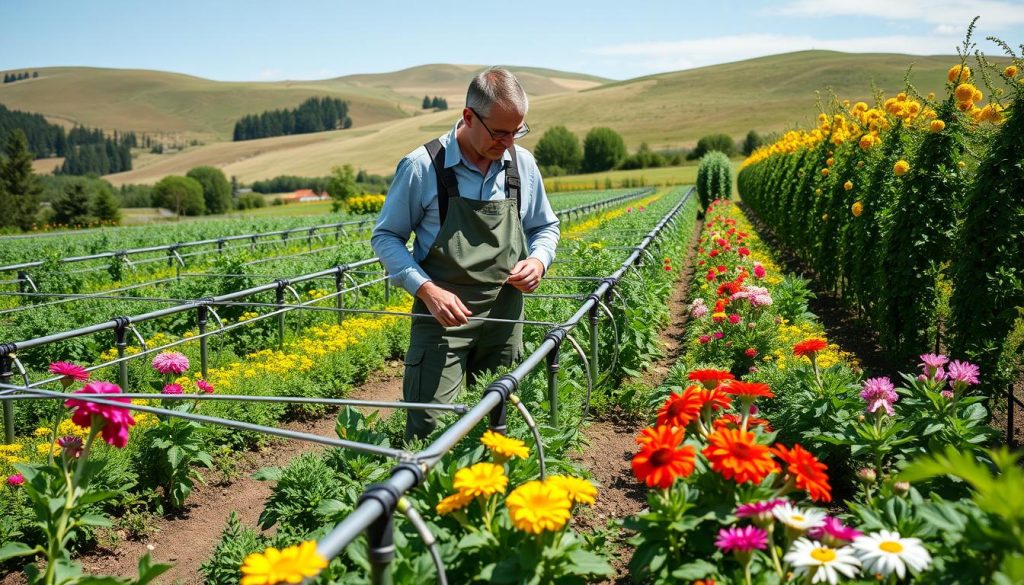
[(848, 185), (580, 491), (857, 208), (937, 126), (824, 217), (958, 74), (482, 479), (961, 164), (535, 507), (504, 448), (47, 448), (965, 92), (290, 565), (1010, 71), (42, 432), (931, 96), (824, 172), (456, 501), (901, 167)]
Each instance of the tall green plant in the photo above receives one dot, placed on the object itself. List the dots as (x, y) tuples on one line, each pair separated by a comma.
[(714, 178)]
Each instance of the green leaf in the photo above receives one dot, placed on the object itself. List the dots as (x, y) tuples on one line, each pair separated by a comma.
[(95, 496), (694, 570), (94, 520), (934, 427), (585, 562), (149, 571), (268, 474), (13, 550)]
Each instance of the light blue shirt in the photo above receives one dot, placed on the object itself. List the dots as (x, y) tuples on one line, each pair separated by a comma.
[(411, 207)]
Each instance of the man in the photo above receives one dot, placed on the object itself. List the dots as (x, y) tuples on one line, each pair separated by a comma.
[(485, 234)]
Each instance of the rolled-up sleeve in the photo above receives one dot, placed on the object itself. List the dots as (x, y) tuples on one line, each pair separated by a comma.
[(401, 212), (540, 224)]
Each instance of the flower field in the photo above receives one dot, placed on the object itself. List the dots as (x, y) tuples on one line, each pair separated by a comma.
[(760, 448)]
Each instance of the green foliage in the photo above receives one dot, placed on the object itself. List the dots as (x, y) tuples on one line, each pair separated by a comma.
[(644, 158), (559, 147), (72, 208), (216, 189), (714, 178), (175, 447), (752, 142), (19, 186), (251, 201), (713, 142), (313, 115), (341, 185), (295, 503), (182, 195), (603, 149)]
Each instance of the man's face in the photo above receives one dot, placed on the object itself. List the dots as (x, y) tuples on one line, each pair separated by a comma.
[(492, 135)]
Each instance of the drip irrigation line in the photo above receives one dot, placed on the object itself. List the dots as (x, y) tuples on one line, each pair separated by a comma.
[(68, 298), (105, 399)]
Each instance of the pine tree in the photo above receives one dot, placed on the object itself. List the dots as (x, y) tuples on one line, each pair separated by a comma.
[(20, 183), (104, 206), (71, 208), (426, 102)]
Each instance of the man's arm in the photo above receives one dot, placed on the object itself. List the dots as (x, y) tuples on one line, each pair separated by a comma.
[(540, 225)]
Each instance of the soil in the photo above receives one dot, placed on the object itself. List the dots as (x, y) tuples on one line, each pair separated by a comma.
[(188, 539), (612, 438)]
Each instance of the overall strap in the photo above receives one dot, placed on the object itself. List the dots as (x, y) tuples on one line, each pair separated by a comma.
[(447, 182), (513, 185)]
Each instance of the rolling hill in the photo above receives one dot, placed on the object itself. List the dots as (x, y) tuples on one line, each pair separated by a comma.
[(668, 110)]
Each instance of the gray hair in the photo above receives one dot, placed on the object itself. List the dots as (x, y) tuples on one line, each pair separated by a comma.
[(496, 86)]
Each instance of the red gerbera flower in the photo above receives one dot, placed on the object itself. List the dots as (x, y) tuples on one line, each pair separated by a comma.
[(714, 399), (808, 472), (710, 378), (663, 457), (809, 346), (749, 390), (680, 409), (737, 455)]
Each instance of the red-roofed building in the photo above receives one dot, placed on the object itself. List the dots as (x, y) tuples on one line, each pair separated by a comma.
[(303, 195)]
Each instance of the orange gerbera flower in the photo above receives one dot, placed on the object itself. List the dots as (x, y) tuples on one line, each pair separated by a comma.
[(710, 378), (737, 455), (732, 420), (680, 409), (747, 390), (715, 399), (663, 457), (808, 472), (809, 346)]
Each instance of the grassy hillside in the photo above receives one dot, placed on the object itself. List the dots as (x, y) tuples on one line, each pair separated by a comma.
[(667, 110), (191, 107)]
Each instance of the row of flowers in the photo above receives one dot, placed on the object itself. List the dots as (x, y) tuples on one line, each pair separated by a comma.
[(730, 462)]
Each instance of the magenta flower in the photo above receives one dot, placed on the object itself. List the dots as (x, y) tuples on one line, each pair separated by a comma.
[(72, 372), (931, 364), (834, 533), (879, 393), (947, 394), (72, 446), (172, 389), (704, 339), (964, 373), (734, 318), (759, 270), (116, 420), (719, 335), (759, 512), (16, 479), (745, 539), (204, 386), (170, 362)]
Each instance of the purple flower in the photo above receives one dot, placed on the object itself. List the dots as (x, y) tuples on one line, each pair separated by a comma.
[(879, 393), (834, 533), (743, 539), (963, 373), (931, 364), (170, 362)]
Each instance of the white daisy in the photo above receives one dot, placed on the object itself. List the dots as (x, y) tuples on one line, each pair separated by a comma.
[(885, 552), (800, 519), (822, 563)]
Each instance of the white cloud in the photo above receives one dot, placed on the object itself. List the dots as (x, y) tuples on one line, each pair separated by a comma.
[(995, 14), (686, 54)]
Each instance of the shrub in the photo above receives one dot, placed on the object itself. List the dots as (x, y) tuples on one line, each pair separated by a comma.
[(216, 189), (182, 195), (712, 142), (559, 148), (714, 178), (603, 149)]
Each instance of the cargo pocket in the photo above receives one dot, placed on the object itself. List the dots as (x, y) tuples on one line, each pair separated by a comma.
[(411, 382)]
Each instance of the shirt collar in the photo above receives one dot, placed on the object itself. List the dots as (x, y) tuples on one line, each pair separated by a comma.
[(452, 152)]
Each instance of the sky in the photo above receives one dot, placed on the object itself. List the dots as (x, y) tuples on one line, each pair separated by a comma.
[(262, 40)]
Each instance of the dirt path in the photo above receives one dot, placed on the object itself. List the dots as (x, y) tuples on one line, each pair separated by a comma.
[(188, 541), (612, 439)]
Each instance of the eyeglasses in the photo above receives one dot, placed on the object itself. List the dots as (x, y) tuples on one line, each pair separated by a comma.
[(497, 136)]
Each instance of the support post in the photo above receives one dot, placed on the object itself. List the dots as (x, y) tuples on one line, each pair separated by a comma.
[(340, 299), (380, 536), (553, 367), (202, 315), (280, 317), (121, 343), (6, 364)]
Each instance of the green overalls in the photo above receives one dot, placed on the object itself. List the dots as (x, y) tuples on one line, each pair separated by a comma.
[(478, 244)]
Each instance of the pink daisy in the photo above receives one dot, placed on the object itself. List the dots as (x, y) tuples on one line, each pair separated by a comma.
[(743, 539), (172, 389), (204, 386), (834, 533), (116, 420), (170, 362), (879, 393), (964, 373), (71, 372)]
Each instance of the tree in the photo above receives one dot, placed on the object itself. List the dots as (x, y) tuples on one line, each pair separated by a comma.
[(341, 185), (216, 189), (559, 147), (182, 195), (20, 184), (720, 142), (426, 102), (71, 208), (104, 205), (752, 142), (603, 149)]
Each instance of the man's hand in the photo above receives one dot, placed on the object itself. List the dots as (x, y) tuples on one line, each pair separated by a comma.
[(443, 305), (526, 275)]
